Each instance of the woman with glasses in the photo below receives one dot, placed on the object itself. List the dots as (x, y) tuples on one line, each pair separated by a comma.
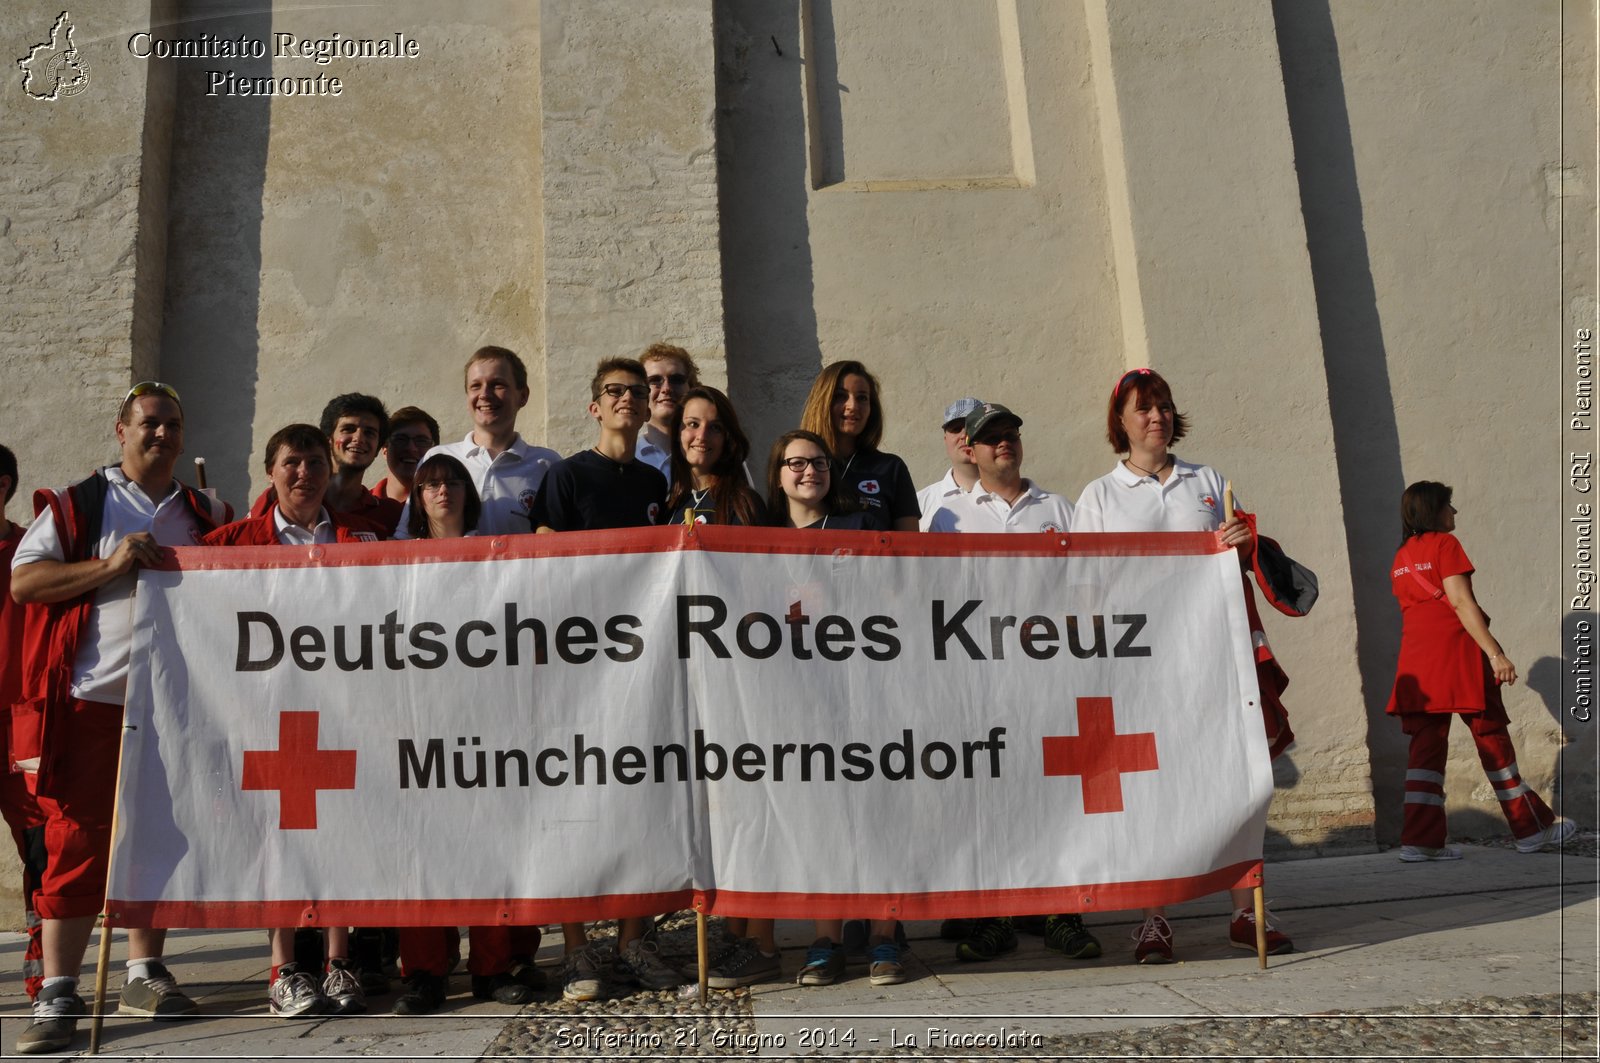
[(708, 453), (1450, 665), (445, 505), (1153, 490), (845, 411), (802, 492)]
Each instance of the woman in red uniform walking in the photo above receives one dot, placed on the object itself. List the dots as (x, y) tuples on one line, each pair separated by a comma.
[(1450, 665)]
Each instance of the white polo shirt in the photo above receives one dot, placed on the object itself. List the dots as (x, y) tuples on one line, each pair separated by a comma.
[(1128, 501), (930, 498), (100, 671), (294, 535), (980, 510), (506, 483), (654, 448)]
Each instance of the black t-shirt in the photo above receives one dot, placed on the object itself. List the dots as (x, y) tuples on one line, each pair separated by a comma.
[(589, 492), (705, 511), (867, 520), (882, 484)]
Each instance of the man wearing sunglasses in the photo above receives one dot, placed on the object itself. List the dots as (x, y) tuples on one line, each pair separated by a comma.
[(669, 371), (606, 486), (76, 570)]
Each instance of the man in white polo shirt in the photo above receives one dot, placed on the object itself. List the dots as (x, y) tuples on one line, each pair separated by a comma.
[(962, 473), (76, 569), (1002, 500), (669, 371), (506, 470)]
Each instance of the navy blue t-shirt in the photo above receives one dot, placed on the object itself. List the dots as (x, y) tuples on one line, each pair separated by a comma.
[(882, 484), (588, 492)]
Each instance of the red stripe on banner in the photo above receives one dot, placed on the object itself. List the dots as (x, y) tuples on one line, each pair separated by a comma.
[(1100, 897), (701, 537)]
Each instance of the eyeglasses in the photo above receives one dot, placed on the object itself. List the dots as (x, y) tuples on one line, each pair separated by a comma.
[(400, 440), (616, 391), (441, 485), (821, 463), (151, 387), (658, 382), (994, 439)]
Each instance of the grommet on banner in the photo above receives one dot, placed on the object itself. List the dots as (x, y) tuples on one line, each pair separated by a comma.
[(499, 542), (317, 553)]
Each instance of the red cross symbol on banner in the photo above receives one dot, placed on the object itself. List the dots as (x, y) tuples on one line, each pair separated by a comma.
[(297, 769), (1100, 755)]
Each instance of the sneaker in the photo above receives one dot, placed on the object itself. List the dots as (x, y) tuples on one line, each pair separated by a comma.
[(296, 993), (582, 974), (157, 996), (989, 938), (55, 1020), (720, 950), (343, 988), (501, 988), (1030, 924), (824, 964), (525, 973), (745, 965), (1416, 854), (1154, 941), (1242, 934), (424, 995), (1068, 936), (641, 963), (956, 929), (1552, 837), (886, 968)]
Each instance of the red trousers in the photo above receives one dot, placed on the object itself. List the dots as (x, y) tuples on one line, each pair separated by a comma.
[(1424, 822), (426, 948), (22, 814), (77, 828)]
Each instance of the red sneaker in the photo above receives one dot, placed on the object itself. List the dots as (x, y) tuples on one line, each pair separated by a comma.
[(1242, 934), (1154, 939)]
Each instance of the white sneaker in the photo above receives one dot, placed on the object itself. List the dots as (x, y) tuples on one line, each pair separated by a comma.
[(1552, 837), (295, 993), (582, 975), (343, 989), (1416, 854)]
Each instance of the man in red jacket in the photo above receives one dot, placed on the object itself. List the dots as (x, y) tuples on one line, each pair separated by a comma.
[(76, 570)]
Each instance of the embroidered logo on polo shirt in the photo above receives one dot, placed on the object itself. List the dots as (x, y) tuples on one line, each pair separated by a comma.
[(1049, 526), (1210, 503), (868, 487), (526, 498), (654, 512)]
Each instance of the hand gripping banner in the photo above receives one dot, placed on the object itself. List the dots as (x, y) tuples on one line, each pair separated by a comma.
[(591, 725)]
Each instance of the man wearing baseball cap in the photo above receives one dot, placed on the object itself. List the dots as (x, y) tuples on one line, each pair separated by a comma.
[(1002, 500), (962, 473)]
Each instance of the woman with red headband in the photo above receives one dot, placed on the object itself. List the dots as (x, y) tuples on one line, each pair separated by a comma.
[(1153, 490)]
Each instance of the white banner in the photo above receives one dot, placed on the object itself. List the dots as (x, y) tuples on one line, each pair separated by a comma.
[(794, 724)]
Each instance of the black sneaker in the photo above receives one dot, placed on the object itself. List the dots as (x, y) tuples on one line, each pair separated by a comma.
[(989, 938), (524, 971), (501, 988), (424, 995), (1068, 936)]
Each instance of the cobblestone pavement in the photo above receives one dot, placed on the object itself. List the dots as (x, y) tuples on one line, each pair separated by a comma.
[(1531, 1027)]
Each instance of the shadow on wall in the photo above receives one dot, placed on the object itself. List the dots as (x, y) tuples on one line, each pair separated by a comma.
[(210, 343), (769, 312), (1361, 403), (1566, 688)]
